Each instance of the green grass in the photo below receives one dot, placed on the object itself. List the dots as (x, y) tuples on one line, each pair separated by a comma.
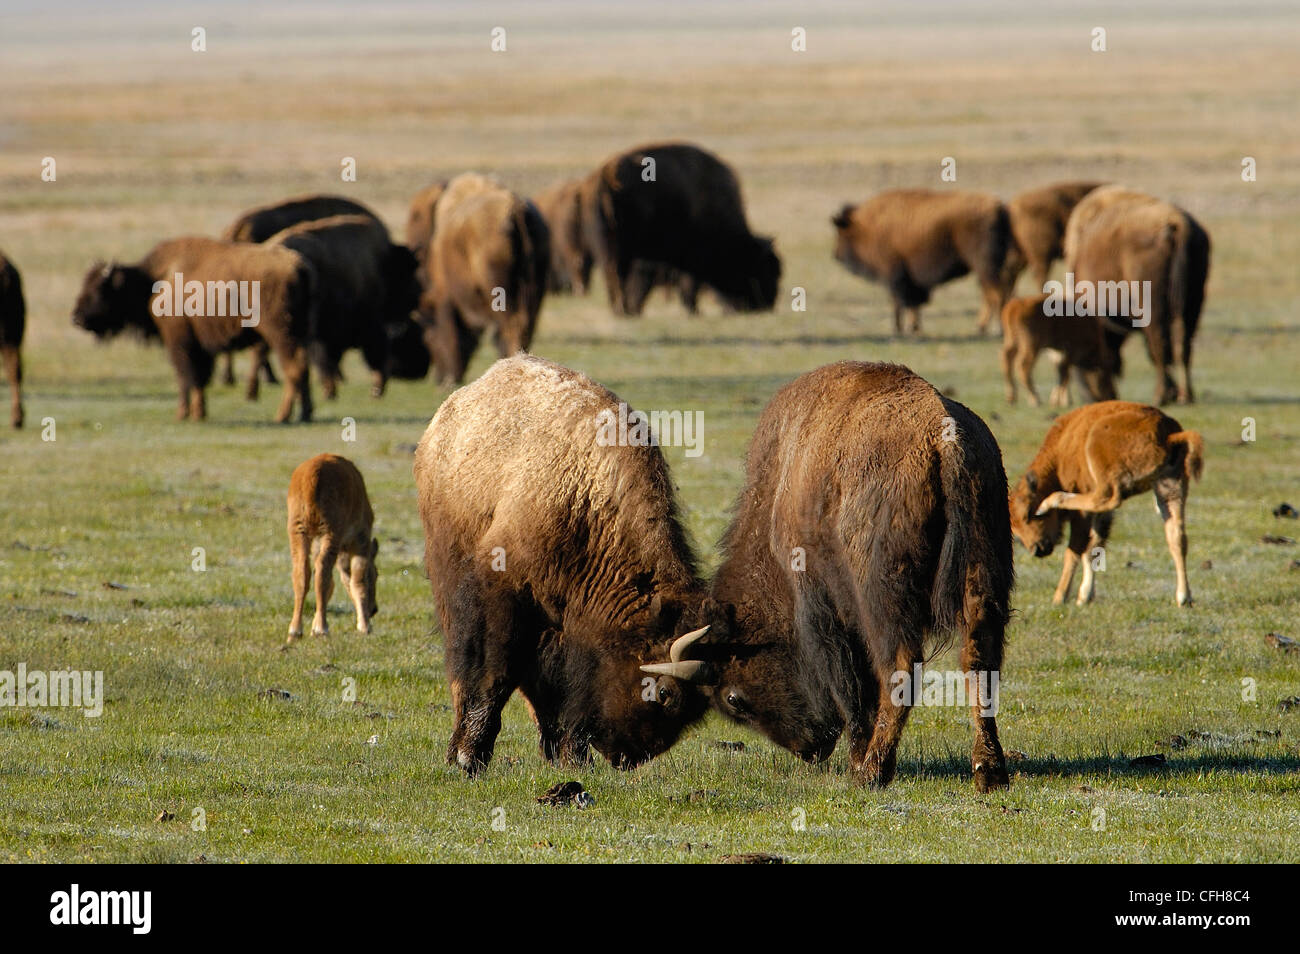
[(125, 494)]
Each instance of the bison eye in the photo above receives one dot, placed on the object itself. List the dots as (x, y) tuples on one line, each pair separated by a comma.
[(665, 694), (736, 702)]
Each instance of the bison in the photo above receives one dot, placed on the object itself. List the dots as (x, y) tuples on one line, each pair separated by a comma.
[(872, 522), (1091, 461), (571, 258), (1038, 220), (914, 240), (209, 313), (486, 265), (366, 291), (13, 322), (672, 211), (259, 224), (419, 221), (1118, 238), (559, 566), (1029, 328)]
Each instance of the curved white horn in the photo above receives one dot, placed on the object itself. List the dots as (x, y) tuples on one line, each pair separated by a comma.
[(683, 643), (689, 670)]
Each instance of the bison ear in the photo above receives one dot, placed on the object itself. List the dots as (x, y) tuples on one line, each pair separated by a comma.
[(1031, 481), (841, 218), (116, 276)]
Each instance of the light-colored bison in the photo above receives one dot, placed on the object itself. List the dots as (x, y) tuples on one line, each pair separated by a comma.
[(231, 295), (420, 220), (328, 506), (913, 240), (1091, 461), (1038, 221), (1117, 240), (13, 322), (559, 566)]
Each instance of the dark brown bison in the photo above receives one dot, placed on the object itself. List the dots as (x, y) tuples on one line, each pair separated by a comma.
[(230, 295), (13, 322), (1038, 220), (873, 520), (559, 567), (1117, 237), (366, 290), (914, 240), (674, 206), (419, 222), (486, 267)]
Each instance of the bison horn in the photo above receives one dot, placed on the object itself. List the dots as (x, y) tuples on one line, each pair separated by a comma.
[(684, 642), (688, 670)]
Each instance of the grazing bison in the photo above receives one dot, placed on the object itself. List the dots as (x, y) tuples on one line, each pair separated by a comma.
[(871, 522), (328, 502), (1029, 327), (1038, 220), (486, 265), (559, 567), (1092, 460), (233, 295), (689, 217), (914, 240), (420, 220), (1117, 237), (13, 322), (366, 290)]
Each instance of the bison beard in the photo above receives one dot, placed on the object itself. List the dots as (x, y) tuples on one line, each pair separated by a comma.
[(905, 534), (558, 567)]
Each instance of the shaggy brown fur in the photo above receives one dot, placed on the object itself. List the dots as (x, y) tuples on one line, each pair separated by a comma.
[(558, 567), (1038, 221), (1092, 460), (1116, 234), (870, 523), (328, 503), (115, 298), (914, 240), (13, 322), (688, 222), (485, 238), (1074, 342), (366, 291), (571, 260), (419, 221)]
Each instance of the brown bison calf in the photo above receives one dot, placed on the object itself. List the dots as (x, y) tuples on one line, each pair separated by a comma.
[(207, 316), (1118, 239), (1029, 327), (558, 566), (13, 322), (486, 265), (672, 213), (871, 522), (1038, 221), (328, 503), (1092, 460), (914, 240)]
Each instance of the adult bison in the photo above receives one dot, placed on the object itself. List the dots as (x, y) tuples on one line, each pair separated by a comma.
[(914, 240), (13, 322), (203, 296), (559, 566), (1116, 241), (1038, 220), (873, 521), (366, 291), (678, 207), (259, 224), (420, 219), (571, 257), (486, 265)]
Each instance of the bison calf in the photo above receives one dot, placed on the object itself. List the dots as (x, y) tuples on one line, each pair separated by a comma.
[(558, 566), (1028, 328), (1092, 460), (328, 504), (13, 322)]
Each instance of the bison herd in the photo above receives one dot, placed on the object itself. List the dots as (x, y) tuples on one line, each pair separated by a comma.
[(874, 524)]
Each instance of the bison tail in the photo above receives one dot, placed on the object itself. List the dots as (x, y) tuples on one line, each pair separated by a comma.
[(1002, 242), (1194, 452), (1188, 269), (531, 256)]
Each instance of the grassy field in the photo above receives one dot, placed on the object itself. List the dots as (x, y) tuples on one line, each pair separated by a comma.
[(152, 140)]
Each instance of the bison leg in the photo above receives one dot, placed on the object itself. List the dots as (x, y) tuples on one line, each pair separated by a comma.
[(479, 635), (880, 760), (1008, 355), (300, 554), (613, 285), (1098, 530), (637, 279), (228, 368), (1182, 355), (981, 661), (13, 360), (1025, 369), (451, 344), (1079, 527), (1160, 349), (1171, 500), (325, 560), (297, 383), (990, 304), (252, 386), (1060, 396)]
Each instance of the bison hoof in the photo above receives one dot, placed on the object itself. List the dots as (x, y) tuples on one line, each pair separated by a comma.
[(363, 628), (320, 630), (991, 777)]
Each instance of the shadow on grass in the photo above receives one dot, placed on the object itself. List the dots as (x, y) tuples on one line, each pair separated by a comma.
[(1177, 765)]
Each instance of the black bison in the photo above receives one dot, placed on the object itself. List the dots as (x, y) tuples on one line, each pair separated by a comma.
[(873, 520), (914, 240), (486, 266), (366, 291), (559, 567), (1116, 241), (230, 295), (672, 212), (1038, 220), (13, 322)]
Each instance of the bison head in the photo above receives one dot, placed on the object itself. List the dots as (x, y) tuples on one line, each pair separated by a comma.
[(1038, 532), (114, 298)]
